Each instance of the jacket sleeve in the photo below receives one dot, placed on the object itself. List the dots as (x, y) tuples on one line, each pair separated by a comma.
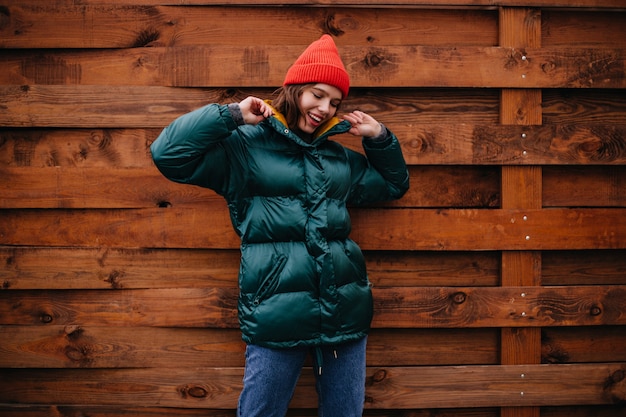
[(191, 149), (382, 175)]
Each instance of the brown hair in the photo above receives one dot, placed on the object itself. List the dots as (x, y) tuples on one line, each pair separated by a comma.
[(286, 103)]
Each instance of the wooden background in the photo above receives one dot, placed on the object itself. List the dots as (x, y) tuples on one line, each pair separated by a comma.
[(499, 279)]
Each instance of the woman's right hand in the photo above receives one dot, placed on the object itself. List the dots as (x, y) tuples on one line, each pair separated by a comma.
[(254, 110)]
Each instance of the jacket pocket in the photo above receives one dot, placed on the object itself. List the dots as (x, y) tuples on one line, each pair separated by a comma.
[(270, 282)]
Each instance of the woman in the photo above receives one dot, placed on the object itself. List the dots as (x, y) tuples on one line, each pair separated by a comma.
[(303, 284)]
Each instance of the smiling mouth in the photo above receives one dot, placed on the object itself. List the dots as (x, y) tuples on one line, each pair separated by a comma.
[(315, 118)]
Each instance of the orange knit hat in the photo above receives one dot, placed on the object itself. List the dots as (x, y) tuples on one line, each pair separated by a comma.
[(320, 63)]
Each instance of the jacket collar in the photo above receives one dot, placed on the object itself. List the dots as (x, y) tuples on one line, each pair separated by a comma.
[(331, 127)]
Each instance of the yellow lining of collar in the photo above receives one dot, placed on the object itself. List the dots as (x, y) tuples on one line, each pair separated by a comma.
[(277, 114), (329, 124)]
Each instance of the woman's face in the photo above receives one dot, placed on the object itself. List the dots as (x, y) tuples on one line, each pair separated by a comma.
[(318, 103)]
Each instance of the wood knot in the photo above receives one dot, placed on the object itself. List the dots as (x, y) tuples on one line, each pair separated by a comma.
[(330, 27), (229, 93), (73, 331), (146, 38), (194, 391), (595, 311), (373, 59), (459, 297), (379, 376), (114, 279), (77, 354), (548, 67), (100, 139), (418, 144), (45, 318), (615, 387)]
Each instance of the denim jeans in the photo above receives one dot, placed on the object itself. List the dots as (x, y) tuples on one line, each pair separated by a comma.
[(271, 375)]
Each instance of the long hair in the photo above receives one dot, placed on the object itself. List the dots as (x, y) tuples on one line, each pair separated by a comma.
[(286, 102)]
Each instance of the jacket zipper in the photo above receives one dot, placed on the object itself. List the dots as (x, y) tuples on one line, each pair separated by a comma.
[(270, 282)]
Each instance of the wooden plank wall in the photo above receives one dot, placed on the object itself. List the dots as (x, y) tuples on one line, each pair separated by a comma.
[(500, 279)]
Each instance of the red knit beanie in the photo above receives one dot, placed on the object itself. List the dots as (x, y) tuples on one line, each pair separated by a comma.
[(320, 63)]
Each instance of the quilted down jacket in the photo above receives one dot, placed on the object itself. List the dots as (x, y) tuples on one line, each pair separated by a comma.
[(302, 281)]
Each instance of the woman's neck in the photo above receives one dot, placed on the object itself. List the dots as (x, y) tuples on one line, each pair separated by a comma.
[(307, 137)]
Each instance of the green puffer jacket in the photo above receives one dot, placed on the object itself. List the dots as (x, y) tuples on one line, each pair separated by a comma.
[(302, 281)]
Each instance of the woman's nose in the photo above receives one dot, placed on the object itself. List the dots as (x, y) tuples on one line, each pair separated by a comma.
[(324, 106)]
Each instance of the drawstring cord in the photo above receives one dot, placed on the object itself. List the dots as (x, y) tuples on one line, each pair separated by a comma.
[(319, 358)]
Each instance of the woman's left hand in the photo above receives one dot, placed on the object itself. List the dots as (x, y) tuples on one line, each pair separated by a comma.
[(363, 124)]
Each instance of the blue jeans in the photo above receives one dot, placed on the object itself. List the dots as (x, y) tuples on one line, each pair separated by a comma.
[(271, 375)]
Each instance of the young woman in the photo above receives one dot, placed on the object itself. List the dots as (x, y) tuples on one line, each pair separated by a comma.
[(302, 280)]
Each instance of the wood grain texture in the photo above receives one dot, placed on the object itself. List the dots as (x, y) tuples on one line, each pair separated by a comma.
[(398, 387), (500, 272), (369, 66), (74, 346), (374, 229), (63, 268), (427, 307), (476, 142)]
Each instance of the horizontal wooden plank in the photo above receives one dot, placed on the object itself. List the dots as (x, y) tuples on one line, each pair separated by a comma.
[(425, 141), (121, 411), (584, 344), (604, 267), (7, 410), (373, 228), (139, 25), (133, 228), (143, 347), (96, 188), (387, 387), (569, 27), (568, 107), (402, 307), (110, 268), (84, 148), (119, 347), (174, 307), (369, 66), (118, 107), (524, 385), (502, 307), (31, 106), (533, 229), (176, 24), (137, 347), (568, 186), (530, 145)]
